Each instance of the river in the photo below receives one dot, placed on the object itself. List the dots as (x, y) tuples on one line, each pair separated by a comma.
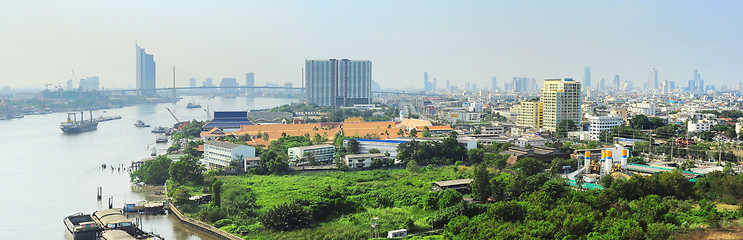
[(46, 175)]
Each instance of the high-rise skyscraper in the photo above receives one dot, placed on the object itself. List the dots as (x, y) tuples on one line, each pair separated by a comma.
[(69, 84), (192, 82), (602, 84), (229, 85), (354, 82), (145, 72), (208, 82), (338, 82), (617, 84), (653, 79), (493, 83), (426, 84), (587, 77), (250, 82), (561, 99)]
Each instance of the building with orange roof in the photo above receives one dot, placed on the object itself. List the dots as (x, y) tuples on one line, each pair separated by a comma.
[(354, 120), (409, 123), (377, 130), (436, 130), (213, 134)]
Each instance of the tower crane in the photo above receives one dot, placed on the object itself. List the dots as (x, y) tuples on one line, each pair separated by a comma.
[(172, 114)]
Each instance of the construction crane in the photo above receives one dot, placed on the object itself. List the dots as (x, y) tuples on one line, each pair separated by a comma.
[(172, 114)]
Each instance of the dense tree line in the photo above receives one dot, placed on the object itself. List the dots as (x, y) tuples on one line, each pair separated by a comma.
[(639, 208), (446, 151)]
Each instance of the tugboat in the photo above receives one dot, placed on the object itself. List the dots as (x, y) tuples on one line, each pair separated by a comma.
[(140, 123), (193, 105), (82, 226), (159, 130), (161, 138), (72, 125)]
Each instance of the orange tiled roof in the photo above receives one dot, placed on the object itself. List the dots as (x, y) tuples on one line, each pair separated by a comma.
[(411, 123), (434, 128)]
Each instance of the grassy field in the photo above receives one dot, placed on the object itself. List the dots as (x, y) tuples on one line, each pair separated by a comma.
[(389, 195)]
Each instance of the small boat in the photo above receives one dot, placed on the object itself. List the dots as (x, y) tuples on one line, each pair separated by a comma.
[(161, 138), (156, 207), (82, 226), (159, 130), (193, 105), (140, 123)]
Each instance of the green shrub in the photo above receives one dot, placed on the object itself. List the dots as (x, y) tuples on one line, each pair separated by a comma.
[(287, 217)]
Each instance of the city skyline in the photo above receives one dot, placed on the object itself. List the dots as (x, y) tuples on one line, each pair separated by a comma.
[(456, 42)]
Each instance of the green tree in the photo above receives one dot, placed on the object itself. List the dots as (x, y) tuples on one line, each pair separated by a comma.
[(529, 166), (181, 195), (500, 185), (563, 127), (448, 198), (353, 146), (731, 134), (707, 135), (285, 217), (187, 169), (426, 132), (481, 183), (374, 150), (413, 132), (193, 129), (318, 139), (475, 155), (413, 166), (640, 121), (217, 194), (153, 171)]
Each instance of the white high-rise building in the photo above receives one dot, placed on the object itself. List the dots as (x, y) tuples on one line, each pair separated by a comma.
[(145, 72), (338, 82)]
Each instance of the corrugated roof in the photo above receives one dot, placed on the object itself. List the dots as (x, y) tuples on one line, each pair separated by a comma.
[(434, 128), (412, 123), (116, 235), (365, 155), (229, 119), (454, 182), (222, 144), (109, 216)]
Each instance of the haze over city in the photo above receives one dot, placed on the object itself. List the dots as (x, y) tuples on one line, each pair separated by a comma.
[(44, 41)]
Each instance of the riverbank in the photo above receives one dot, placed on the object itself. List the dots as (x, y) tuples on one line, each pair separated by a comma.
[(68, 166)]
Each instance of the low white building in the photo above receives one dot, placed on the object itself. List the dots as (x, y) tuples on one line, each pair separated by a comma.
[(455, 117), (476, 106), (361, 160), (602, 123), (251, 162), (219, 154), (324, 153), (531, 141), (494, 130), (700, 125), (645, 108), (400, 233)]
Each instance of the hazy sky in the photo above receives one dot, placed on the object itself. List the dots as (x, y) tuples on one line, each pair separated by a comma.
[(44, 41)]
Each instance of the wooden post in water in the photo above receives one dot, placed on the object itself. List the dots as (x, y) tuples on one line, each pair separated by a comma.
[(110, 202), (100, 193)]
